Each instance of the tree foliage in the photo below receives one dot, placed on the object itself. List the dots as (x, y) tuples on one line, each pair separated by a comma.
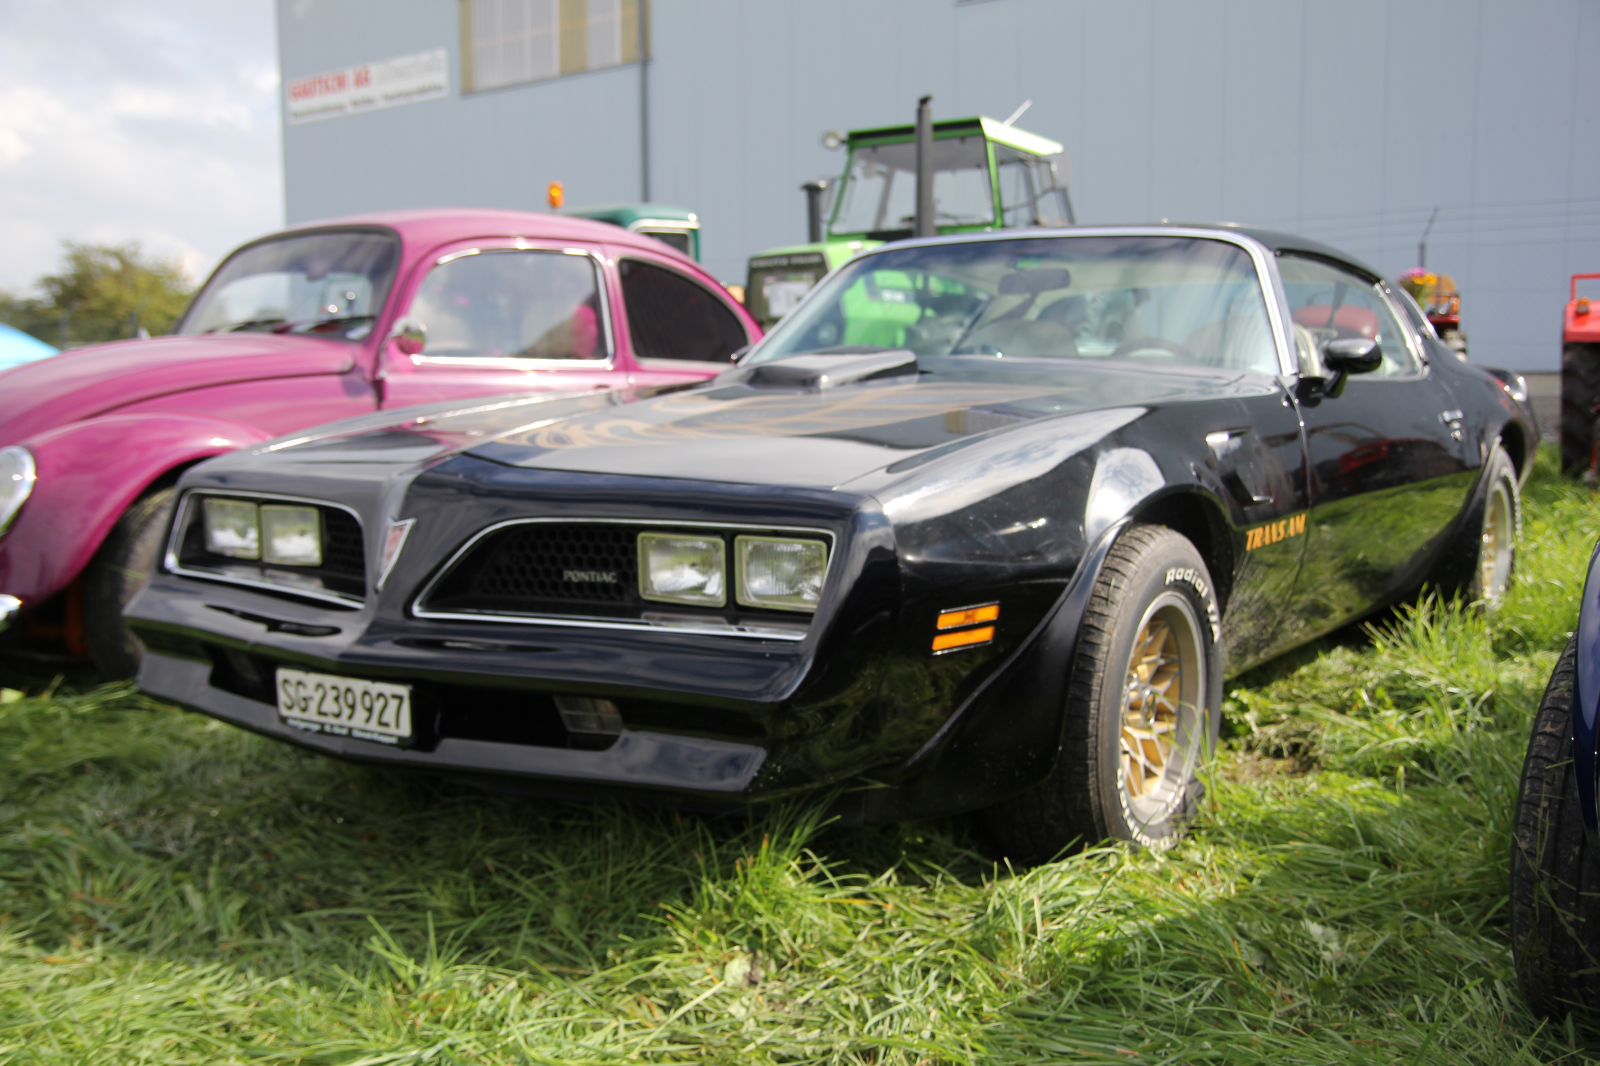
[(101, 292)]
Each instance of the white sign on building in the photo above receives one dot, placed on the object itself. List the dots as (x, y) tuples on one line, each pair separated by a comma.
[(369, 86)]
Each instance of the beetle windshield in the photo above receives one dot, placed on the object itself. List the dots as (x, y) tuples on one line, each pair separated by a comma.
[(1156, 300), (330, 284)]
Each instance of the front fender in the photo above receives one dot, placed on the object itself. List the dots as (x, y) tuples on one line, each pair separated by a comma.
[(88, 474)]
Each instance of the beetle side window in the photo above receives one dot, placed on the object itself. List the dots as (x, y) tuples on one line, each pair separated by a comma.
[(512, 304), (671, 317), (1329, 304)]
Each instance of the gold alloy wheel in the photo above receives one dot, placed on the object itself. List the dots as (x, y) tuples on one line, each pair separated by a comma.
[(1494, 554), (1161, 691)]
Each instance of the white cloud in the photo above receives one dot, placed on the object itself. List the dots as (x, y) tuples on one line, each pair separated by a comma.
[(155, 121)]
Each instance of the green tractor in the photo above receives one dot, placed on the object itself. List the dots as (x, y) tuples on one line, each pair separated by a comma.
[(677, 226), (966, 175)]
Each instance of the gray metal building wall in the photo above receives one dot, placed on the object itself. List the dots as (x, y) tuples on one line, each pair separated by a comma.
[(1346, 120)]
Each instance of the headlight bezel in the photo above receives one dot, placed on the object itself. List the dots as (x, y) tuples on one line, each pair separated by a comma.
[(715, 597), (744, 545), (24, 475), (250, 547), (270, 555), (336, 581)]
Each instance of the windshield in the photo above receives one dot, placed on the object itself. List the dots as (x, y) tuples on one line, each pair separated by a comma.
[(1157, 300), (880, 190), (331, 284)]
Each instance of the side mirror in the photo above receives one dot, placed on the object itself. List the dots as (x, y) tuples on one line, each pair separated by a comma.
[(409, 335), (1355, 355)]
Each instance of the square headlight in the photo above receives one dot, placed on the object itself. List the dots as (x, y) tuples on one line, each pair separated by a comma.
[(291, 536), (678, 568), (231, 528), (782, 574)]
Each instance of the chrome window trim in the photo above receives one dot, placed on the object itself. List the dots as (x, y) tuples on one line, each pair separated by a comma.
[(505, 362), (417, 610), (1262, 257), (181, 522)]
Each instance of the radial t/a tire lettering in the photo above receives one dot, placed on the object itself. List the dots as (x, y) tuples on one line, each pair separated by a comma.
[(1142, 708), (1555, 878), (118, 571)]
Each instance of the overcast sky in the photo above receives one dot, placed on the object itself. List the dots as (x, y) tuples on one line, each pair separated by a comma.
[(147, 120)]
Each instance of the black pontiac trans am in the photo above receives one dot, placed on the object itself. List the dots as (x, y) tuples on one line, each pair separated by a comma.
[(981, 525)]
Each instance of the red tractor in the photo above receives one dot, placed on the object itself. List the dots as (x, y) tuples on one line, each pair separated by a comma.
[(1580, 383)]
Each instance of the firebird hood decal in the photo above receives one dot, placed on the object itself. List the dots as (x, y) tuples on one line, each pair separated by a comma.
[(825, 439)]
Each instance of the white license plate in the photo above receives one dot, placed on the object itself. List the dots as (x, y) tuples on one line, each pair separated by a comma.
[(345, 706)]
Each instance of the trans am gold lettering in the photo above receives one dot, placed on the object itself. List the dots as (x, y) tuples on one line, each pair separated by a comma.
[(1273, 532)]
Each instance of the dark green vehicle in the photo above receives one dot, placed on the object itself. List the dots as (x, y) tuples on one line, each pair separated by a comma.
[(677, 226), (986, 176)]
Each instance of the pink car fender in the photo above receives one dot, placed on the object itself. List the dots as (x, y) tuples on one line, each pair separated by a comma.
[(88, 474)]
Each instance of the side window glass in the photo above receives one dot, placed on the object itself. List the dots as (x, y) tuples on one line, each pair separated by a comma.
[(513, 305), (1329, 304), (671, 317)]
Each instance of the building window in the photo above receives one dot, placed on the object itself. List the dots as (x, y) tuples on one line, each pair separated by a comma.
[(512, 42)]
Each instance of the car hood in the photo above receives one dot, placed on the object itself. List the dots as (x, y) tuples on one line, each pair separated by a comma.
[(863, 434), (826, 437), (86, 382)]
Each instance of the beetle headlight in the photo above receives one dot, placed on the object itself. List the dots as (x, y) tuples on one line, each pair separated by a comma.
[(16, 482), (291, 536), (683, 569), (232, 528), (782, 574)]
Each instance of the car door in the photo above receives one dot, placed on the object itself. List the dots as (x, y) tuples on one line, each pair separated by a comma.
[(505, 316), (1388, 470), (678, 330)]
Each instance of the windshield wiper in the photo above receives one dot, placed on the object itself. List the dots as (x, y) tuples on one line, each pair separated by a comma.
[(279, 325), (253, 325)]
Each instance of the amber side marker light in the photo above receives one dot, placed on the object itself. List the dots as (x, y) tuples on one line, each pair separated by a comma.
[(966, 616), (964, 624), (951, 641)]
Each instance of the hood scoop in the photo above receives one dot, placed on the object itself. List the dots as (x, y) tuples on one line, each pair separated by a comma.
[(820, 371)]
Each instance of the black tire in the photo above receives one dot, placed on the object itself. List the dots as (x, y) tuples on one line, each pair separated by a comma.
[(1555, 878), (119, 570), (1102, 787), (1580, 391)]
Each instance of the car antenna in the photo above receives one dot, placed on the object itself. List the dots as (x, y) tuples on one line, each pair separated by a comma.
[(1018, 112)]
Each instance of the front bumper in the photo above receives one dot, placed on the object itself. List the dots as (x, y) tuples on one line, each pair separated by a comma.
[(638, 759)]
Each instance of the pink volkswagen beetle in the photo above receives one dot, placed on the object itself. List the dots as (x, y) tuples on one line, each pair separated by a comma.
[(318, 323)]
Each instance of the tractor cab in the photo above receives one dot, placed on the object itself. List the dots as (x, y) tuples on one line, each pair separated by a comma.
[(987, 175)]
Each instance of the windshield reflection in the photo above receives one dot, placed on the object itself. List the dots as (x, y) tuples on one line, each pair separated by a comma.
[(1153, 300)]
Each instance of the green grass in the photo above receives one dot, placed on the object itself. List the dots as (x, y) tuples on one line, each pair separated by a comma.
[(175, 891)]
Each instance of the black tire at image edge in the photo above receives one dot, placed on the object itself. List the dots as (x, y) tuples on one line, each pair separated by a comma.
[(1555, 881)]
